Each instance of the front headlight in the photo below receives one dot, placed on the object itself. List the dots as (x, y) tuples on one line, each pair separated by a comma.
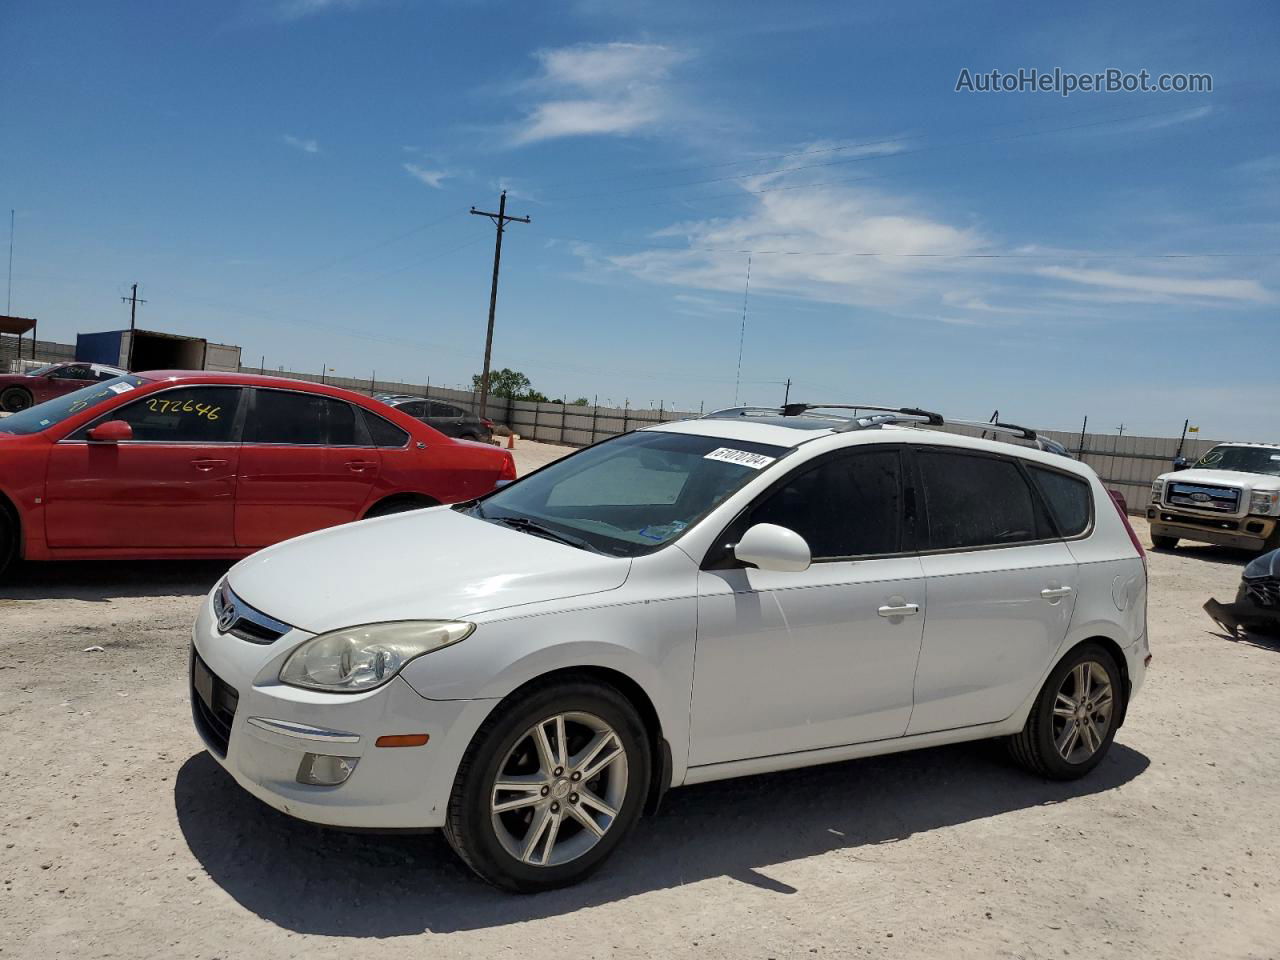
[(1263, 502), (365, 657), (1157, 488)]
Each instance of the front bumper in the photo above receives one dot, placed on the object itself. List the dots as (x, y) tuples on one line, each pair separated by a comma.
[(1246, 533), (1245, 614), (260, 730)]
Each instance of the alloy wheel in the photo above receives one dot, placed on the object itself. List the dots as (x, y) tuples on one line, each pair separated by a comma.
[(1082, 712), (559, 789)]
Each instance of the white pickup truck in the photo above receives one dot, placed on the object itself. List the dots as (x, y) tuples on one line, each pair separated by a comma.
[(1230, 496)]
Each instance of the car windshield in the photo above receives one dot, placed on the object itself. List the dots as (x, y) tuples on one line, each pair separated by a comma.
[(1243, 460), (41, 371), (52, 412), (630, 495)]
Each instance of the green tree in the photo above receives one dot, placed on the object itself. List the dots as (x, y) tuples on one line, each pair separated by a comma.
[(582, 402), (507, 383)]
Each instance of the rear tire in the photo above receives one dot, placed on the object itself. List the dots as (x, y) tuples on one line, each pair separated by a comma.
[(541, 838), (15, 399), (8, 541), (1074, 719), (1163, 543)]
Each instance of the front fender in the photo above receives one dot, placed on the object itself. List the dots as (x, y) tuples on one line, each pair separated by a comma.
[(649, 642)]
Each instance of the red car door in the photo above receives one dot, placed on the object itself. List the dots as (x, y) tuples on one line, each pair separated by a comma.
[(307, 463), (171, 486)]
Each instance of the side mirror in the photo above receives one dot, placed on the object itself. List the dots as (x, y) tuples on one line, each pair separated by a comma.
[(1180, 463), (771, 547), (113, 431)]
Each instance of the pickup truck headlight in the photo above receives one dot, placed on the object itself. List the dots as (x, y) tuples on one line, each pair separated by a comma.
[(1157, 490), (1264, 502), (365, 657)]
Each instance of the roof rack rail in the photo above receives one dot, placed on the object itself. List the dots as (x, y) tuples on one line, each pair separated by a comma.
[(928, 416), (726, 412)]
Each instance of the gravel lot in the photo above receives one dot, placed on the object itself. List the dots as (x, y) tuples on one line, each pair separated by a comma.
[(123, 839)]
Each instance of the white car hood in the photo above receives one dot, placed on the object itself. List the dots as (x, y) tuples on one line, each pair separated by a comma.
[(1225, 478), (434, 564)]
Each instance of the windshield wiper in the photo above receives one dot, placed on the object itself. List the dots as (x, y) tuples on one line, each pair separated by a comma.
[(525, 525)]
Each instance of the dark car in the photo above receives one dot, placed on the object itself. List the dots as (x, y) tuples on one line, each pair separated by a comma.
[(1257, 604), (21, 390), (449, 418)]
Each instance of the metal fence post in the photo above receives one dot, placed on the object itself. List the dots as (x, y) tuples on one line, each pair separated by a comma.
[(595, 413)]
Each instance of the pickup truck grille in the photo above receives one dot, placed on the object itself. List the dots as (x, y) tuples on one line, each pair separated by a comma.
[(1199, 496)]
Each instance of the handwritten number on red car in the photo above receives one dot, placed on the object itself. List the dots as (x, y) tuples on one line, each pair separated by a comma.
[(206, 410)]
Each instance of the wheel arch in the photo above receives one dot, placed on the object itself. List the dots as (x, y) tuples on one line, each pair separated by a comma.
[(1117, 654), (661, 772), (423, 499), (9, 510)]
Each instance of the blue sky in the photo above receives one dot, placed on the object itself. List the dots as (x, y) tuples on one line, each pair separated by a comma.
[(294, 176)]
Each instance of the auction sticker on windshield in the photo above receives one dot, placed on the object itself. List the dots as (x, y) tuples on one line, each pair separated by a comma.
[(743, 458)]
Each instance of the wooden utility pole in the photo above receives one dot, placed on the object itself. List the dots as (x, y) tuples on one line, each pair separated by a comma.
[(133, 302), (500, 220)]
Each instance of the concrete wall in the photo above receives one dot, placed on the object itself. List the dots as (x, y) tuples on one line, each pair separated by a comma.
[(1127, 464)]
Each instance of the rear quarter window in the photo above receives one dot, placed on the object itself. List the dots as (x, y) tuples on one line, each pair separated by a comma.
[(1069, 498)]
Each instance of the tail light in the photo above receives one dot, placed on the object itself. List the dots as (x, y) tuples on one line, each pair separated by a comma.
[(1118, 501), (508, 471), (488, 424)]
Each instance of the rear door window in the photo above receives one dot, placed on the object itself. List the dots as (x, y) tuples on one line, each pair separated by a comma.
[(1068, 497), (302, 419), (976, 501)]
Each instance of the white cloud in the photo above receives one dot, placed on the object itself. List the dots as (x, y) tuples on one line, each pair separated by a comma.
[(855, 246), (305, 145), (297, 9), (600, 89), (432, 178), (1161, 287)]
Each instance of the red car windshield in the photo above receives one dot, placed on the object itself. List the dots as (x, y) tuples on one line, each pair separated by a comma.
[(52, 412)]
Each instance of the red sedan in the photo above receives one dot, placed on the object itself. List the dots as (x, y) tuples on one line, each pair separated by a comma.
[(191, 464), (21, 390)]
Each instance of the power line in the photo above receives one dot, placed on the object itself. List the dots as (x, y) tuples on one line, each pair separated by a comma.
[(500, 221), (857, 145), (882, 156)]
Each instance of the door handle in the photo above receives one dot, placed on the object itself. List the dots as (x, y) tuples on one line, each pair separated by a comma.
[(207, 465), (1053, 594), (356, 466), (899, 610)]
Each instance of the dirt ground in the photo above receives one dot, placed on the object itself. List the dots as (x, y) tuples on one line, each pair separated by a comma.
[(122, 838)]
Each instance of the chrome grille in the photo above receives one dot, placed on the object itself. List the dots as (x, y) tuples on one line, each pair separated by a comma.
[(1200, 496), (237, 618)]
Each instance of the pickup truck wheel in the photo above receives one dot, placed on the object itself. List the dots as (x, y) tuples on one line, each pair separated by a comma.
[(15, 399), (1074, 719), (1163, 543), (549, 787)]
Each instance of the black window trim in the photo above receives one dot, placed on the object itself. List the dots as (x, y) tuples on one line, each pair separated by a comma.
[(362, 431), (237, 427), (923, 505), (719, 555)]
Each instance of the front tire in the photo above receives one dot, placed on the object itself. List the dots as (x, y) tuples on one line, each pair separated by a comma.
[(550, 785), (15, 399), (1074, 719), (1163, 543)]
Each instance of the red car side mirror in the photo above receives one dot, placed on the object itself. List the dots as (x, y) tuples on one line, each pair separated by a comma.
[(113, 431)]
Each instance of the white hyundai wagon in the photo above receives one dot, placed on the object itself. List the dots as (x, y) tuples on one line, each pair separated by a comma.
[(751, 591)]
